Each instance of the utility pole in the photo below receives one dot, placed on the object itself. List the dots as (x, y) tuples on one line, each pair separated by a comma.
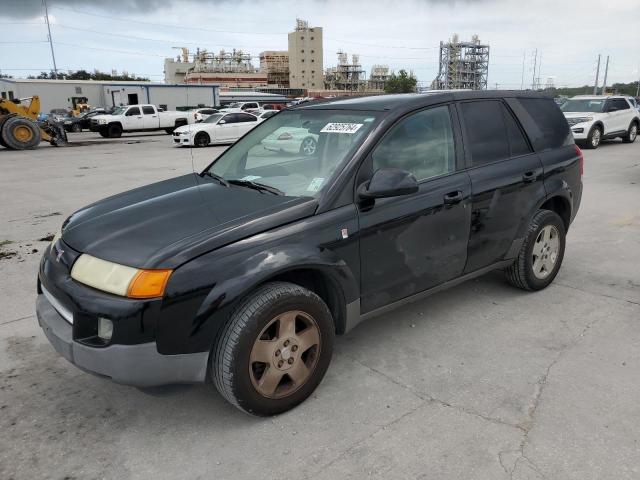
[(539, 70), (524, 57), (638, 89), (535, 63), (53, 55), (606, 70), (595, 85)]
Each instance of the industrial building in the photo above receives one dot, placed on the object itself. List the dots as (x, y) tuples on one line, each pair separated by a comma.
[(226, 69), (346, 76), (463, 65), (66, 93), (305, 57), (378, 77), (275, 64)]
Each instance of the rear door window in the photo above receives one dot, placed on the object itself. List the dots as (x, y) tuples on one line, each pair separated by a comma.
[(485, 131), (148, 110), (517, 141), (543, 122)]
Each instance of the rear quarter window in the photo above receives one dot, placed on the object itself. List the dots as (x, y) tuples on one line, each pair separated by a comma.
[(543, 122)]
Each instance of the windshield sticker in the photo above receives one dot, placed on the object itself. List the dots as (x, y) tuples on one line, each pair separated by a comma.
[(341, 128), (315, 184), (251, 178)]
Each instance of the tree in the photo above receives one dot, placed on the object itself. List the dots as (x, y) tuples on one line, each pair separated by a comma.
[(84, 75), (402, 83), (4, 75)]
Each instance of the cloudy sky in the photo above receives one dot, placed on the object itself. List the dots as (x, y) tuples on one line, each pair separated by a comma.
[(136, 35)]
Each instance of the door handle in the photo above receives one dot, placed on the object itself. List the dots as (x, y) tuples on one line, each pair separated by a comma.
[(452, 198), (529, 177)]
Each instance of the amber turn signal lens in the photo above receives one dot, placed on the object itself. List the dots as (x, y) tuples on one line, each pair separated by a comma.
[(148, 284)]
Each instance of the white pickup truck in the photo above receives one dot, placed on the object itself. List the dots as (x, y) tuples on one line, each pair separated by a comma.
[(138, 118)]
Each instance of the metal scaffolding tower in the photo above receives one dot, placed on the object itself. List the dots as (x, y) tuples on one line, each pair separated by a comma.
[(463, 65), (346, 76)]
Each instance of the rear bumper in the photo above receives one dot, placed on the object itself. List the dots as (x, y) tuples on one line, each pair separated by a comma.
[(137, 365)]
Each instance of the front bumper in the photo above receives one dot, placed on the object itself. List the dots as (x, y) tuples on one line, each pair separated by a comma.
[(137, 365), (179, 140), (580, 131)]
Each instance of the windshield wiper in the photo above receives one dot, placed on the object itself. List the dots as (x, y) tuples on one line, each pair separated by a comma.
[(220, 179), (257, 186)]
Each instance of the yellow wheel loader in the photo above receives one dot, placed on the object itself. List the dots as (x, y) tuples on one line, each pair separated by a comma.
[(19, 126)]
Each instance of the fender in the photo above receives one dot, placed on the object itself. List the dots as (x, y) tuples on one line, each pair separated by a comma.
[(232, 272)]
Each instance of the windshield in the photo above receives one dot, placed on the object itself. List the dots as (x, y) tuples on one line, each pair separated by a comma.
[(213, 118), (297, 152), (118, 110), (583, 105)]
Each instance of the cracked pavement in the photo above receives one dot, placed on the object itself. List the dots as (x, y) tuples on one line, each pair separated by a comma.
[(482, 381)]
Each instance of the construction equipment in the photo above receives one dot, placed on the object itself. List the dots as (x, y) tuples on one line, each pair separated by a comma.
[(19, 128)]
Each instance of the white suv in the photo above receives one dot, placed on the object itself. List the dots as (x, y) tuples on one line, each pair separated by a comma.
[(594, 118)]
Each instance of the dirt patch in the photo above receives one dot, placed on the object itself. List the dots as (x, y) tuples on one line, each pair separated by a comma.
[(53, 214), (47, 238)]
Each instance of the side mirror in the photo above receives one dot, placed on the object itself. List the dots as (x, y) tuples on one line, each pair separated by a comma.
[(389, 182), (222, 122)]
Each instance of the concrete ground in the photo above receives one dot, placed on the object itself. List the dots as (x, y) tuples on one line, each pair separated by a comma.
[(479, 382)]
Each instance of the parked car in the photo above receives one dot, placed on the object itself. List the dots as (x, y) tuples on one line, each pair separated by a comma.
[(218, 128), (292, 140), (594, 118), (241, 107), (263, 115), (243, 274), (138, 118), (77, 124)]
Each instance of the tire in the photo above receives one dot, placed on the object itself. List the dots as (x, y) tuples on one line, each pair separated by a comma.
[(632, 133), (594, 138), (201, 139), (103, 133), (114, 130), (76, 128), (308, 146), (525, 272), (236, 369), (169, 130), (20, 133)]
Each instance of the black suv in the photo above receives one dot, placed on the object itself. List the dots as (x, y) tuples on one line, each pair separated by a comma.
[(244, 273)]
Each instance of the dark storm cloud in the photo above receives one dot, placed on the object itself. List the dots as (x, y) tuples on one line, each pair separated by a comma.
[(33, 8)]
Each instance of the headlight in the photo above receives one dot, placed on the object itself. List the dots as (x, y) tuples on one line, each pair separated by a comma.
[(102, 121), (119, 279), (575, 121)]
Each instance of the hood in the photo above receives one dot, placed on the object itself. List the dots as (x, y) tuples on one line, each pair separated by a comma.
[(165, 224), (194, 127)]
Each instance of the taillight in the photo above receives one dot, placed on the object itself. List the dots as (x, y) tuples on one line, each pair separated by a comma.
[(285, 136), (581, 155)]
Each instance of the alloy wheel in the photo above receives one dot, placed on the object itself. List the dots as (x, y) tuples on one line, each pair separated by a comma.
[(595, 138), (285, 354), (545, 251), (308, 146), (633, 133)]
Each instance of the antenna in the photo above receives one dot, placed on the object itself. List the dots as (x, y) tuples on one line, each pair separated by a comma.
[(53, 55)]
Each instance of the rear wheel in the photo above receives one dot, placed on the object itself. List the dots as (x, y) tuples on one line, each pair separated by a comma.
[(76, 128), (274, 350), (114, 130), (201, 139), (594, 138), (20, 134), (632, 133), (169, 130), (541, 254)]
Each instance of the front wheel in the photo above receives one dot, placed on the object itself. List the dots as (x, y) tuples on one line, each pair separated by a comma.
[(114, 131), (541, 254), (76, 128), (274, 350), (201, 139), (632, 133), (594, 138), (308, 146)]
